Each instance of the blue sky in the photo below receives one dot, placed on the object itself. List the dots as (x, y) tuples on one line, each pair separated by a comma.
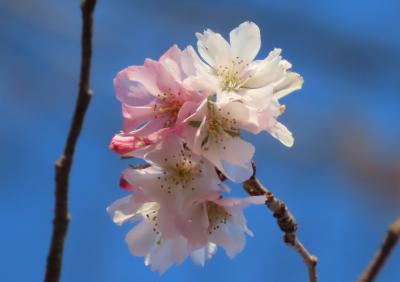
[(345, 116)]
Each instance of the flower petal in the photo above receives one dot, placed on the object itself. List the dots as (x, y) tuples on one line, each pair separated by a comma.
[(136, 116), (123, 209), (171, 60), (291, 83), (135, 86), (213, 48), (164, 80), (280, 132), (141, 239), (192, 64), (267, 71), (161, 257), (236, 151), (245, 117), (245, 41)]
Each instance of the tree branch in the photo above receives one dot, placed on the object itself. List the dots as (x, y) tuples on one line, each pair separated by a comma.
[(285, 220), (391, 239), (64, 163)]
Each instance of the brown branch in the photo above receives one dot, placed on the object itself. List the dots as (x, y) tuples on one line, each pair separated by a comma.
[(64, 163), (285, 220), (391, 239)]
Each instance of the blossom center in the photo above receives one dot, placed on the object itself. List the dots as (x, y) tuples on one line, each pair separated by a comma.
[(222, 126), (183, 172), (217, 215), (230, 76), (219, 126), (168, 106), (230, 81), (180, 171)]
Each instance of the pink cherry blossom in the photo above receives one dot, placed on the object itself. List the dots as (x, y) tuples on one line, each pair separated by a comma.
[(154, 102)]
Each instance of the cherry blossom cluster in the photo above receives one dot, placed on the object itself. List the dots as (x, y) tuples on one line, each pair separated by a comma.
[(183, 115)]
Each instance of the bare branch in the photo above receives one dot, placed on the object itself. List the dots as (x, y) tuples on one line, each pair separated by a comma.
[(391, 239), (285, 220), (64, 163)]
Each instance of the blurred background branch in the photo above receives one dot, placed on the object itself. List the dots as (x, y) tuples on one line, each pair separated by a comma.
[(376, 168), (64, 163), (383, 253)]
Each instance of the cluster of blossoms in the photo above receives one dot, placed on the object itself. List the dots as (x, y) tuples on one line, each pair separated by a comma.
[(183, 115)]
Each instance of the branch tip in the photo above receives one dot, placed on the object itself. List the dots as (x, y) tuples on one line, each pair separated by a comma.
[(378, 261)]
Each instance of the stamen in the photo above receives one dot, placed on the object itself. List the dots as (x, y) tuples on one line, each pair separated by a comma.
[(217, 215)]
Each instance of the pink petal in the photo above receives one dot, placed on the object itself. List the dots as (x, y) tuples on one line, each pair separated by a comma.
[(123, 144), (135, 86)]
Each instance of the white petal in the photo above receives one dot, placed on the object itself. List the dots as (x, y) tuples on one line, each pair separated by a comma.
[(206, 84), (193, 134), (196, 224), (141, 239), (237, 236), (291, 83), (224, 97), (236, 155), (280, 132), (230, 237), (258, 98), (211, 250), (267, 71), (161, 257), (200, 76), (192, 64), (145, 177), (123, 209), (179, 249), (199, 256), (213, 48), (237, 173), (245, 41), (236, 151), (166, 152), (212, 153), (246, 117)]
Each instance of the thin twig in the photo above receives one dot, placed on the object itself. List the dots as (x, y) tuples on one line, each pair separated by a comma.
[(392, 237), (285, 220), (64, 163)]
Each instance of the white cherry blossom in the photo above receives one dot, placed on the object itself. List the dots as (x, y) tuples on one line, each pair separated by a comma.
[(214, 133), (230, 71)]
